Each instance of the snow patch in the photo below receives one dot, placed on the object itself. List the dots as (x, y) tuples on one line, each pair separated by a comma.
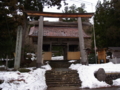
[(71, 61), (86, 74), (116, 82), (57, 58), (34, 80), (47, 67)]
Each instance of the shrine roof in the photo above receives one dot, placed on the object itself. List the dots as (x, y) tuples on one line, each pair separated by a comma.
[(59, 23), (114, 48), (60, 32)]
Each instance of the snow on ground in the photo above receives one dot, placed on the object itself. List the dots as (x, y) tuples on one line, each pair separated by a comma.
[(71, 61), (47, 67), (2, 66), (57, 58), (34, 80), (86, 74)]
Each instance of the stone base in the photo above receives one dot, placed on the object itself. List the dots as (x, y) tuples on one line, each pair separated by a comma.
[(84, 63), (38, 65)]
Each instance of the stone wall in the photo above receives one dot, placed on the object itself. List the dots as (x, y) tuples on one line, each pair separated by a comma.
[(111, 76), (107, 77)]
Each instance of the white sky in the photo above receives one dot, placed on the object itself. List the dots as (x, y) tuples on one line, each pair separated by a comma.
[(89, 7)]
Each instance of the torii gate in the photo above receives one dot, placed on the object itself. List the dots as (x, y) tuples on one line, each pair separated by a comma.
[(59, 15)]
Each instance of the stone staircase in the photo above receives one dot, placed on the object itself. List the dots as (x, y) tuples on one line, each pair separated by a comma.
[(62, 77)]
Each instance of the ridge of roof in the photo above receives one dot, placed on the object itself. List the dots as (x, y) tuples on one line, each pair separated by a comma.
[(60, 23)]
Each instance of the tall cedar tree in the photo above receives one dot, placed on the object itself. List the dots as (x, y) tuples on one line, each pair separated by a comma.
[(106, 22), (10, 19), (74, 9), (7, 29)]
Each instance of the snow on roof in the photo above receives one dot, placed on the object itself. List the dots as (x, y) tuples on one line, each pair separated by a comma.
[(70, 32)]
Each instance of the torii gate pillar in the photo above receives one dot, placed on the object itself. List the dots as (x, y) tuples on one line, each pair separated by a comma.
[(81, 43), (40, 43)]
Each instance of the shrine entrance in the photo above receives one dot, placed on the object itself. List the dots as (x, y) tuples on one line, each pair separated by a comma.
[(59, 50), (77, 35), (66, 48)]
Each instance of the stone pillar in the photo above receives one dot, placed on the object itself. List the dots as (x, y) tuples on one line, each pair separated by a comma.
[(18, 48), (81, 43), (40, 43)]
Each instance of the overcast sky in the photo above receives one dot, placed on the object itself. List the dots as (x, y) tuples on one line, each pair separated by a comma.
[(89, 7)]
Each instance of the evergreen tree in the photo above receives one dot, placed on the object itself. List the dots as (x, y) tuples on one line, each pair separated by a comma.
[(11, 16), (74, 9), (106, 22), (7, 29)]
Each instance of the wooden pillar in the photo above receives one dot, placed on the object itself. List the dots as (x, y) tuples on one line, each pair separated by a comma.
[(40, 43), (18, 48), (50, 47), (67, 47), (67, 50), (81, 43)]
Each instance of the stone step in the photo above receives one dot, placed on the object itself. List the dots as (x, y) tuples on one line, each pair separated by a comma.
[(57, 75), (63, 85), (62, 72), (62, 77), (75, 78), (63, 81), (50, 82), (67, 71)]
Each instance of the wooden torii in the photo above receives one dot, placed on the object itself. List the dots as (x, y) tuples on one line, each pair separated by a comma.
[(59, 15)]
